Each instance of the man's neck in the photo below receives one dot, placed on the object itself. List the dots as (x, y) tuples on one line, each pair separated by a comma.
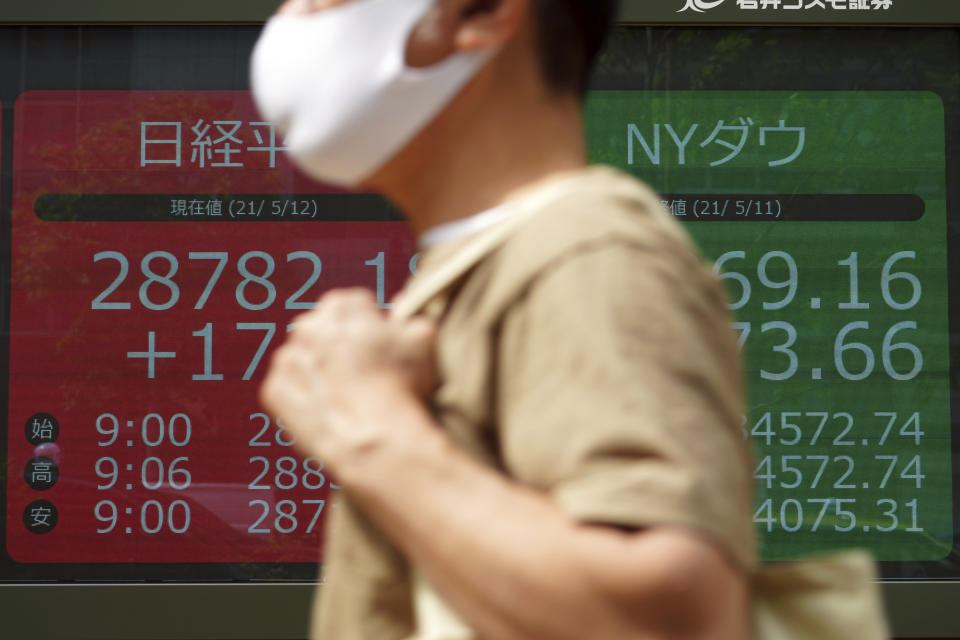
[(454, 169)]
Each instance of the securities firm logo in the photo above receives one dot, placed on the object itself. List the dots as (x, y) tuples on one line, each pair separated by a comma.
[(702, 6)]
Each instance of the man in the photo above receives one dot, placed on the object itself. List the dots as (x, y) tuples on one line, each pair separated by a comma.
[(560, 456)]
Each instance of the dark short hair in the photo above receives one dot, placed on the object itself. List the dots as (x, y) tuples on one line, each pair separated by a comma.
[(571, 34)]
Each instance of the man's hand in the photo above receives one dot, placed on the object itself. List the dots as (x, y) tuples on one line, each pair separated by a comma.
[(343, 361), (350, 384)]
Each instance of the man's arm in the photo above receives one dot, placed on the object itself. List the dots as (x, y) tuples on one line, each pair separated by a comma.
[(504, 556), (514, 566)]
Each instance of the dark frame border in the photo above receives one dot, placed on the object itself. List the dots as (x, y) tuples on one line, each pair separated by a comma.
[(238, 611), (278, 611), (652, 12)]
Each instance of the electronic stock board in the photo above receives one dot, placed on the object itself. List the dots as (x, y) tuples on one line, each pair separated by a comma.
[(160, 245), (161, 248)]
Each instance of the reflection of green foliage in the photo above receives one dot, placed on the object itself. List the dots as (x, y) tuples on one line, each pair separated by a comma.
[(781, 58), (874, 125)]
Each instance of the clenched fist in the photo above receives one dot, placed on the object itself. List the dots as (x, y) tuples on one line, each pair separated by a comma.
[(345, 363)]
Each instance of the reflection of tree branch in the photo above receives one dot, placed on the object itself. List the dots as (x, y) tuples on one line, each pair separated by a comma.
[(111, 138), (780, 58)]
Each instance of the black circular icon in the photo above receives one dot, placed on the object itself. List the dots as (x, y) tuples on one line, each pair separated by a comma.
[(41, 428), (41, 473), (40, 517)]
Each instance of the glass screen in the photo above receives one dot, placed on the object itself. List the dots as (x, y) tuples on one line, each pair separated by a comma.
[(812, 165), (159, 246)]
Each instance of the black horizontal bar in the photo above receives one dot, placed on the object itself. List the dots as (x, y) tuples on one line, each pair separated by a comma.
[(371, 208), (796, 207), (183, 208)]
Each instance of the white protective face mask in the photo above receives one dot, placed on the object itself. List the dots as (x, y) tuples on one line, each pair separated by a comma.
[(337, 84)]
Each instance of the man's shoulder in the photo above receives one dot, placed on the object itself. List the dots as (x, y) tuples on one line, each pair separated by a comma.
[(605, 212), (608, 208)]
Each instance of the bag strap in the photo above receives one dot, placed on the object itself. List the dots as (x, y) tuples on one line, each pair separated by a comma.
[(425, 294)]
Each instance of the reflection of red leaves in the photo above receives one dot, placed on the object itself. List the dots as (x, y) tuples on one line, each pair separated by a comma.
[(89, 142), (102, 138), (71, 360), (107, 134)]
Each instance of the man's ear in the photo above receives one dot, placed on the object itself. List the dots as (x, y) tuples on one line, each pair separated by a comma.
[(489, 24), (452, 26)]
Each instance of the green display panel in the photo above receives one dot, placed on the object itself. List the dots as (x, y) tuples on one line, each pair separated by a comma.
[(825, 213)]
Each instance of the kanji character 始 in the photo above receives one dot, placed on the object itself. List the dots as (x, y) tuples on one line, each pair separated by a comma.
[(42, 429)]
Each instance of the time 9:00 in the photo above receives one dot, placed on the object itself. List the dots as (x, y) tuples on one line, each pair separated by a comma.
[(154, 429)]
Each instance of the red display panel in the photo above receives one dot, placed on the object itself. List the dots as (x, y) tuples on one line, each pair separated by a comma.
[(161, 248)]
